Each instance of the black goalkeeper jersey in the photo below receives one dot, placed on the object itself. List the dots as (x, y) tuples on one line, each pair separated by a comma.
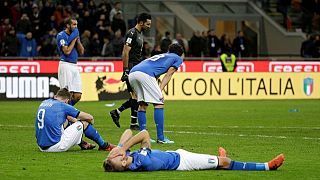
[(134, 39)]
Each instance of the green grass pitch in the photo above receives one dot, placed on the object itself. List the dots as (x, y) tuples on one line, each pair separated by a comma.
[(249, 131)]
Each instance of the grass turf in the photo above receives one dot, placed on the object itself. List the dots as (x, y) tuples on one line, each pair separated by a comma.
[(253, 131)]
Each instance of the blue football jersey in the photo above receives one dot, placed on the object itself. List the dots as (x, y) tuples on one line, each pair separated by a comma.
[(158, 64), (50, 117), (154, 160), (62, 40)]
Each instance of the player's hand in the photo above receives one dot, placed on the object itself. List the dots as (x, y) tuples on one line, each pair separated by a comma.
[(117, 151), (125, 75)]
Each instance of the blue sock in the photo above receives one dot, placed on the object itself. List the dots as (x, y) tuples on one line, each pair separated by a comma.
[(159, 119), (247, 166), (142, 119), (93, 134), (72, 102)]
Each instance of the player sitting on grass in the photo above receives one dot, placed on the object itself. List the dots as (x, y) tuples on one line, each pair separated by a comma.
[(119, 159), (51, 132)]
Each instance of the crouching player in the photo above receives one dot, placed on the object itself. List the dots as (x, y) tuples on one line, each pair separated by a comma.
[(120, 159), (52, 118)]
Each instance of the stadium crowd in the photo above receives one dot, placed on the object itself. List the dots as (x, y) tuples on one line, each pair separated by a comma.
[(29, 28)]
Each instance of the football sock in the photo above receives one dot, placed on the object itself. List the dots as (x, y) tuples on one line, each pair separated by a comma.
[(125, 105), (93, 134), (159, 118), (248, 166), (72, 102), (134, 110), (142, 119)]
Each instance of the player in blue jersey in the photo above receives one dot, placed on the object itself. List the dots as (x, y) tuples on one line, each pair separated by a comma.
[(69, 45), (53, 135), (143, 79), (145, 159)]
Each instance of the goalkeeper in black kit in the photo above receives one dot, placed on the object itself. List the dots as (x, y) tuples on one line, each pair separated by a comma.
[(131, 56)]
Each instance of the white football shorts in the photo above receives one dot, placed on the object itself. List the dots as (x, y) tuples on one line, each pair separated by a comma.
[(70, 136), (146, 88), (194, 161), (69, 77)]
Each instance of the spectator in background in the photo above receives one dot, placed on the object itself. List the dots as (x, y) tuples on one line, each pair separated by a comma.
[(156, 50), (5, 10), (58, 14), (24, 25), (182, 41), (165, 42), (10, 44), (146, 50), (4, 28), (195, 45), (35, 22), (86, 21), (95, 45), (28, 45), (49, 45), (205, 40), (118, 42), (85, 39), (240, 45), (282, 7), (46, 13), (309, 48), (115, 10), (308, 11), (226, 45), (107, 48), (118, 23), (213, 43)]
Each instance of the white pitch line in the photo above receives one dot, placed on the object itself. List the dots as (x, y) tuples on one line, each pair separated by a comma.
[(240, 135), (236, 127), (209, 133)]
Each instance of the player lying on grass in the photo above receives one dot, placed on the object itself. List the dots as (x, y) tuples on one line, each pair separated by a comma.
[(145, 159), (52, 132)]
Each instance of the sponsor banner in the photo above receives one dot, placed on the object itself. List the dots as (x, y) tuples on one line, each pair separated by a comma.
[(52, 66), (103, 86), (28, 86), (41, 66), (206, 86)]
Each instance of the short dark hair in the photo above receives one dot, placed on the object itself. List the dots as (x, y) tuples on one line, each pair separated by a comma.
[(68, 20), (107, 166), (143, 17), (63, 93), (175, 48)]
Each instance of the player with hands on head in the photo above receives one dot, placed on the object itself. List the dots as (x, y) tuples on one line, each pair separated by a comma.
[(69, 45), (120, 159)]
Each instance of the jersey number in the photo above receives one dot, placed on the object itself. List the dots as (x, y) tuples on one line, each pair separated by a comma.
[(156, 57), (40, 117)]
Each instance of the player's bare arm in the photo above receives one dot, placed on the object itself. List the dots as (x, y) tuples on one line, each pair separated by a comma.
[(83, 116), (67, 49), (142, 138), (80, 47), (167, 77)]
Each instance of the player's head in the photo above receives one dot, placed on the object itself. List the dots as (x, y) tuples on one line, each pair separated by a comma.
[(63, 95), (175, 48), (144, 21), (115, 164), (70, 23)]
